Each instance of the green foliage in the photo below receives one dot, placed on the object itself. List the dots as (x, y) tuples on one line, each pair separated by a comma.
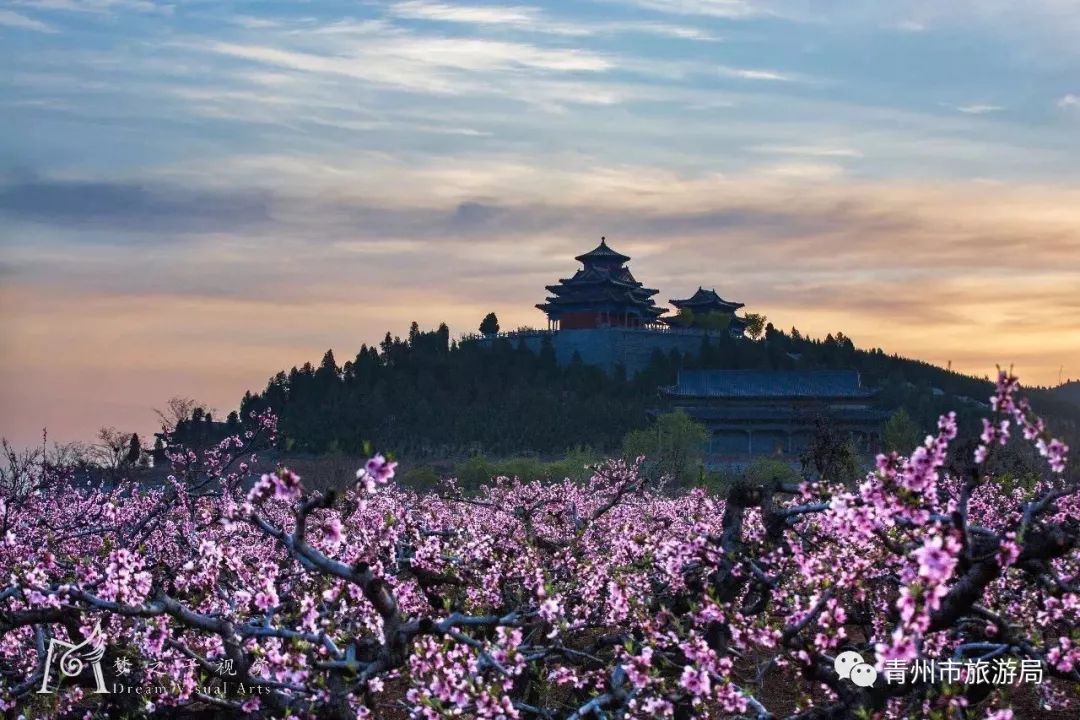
[(830, 455), (489, 325), (759, 472), (419, 477), (479, 470), (901, 434), (770, 470), (683, 318), (755, 325), (674, 446), (714, 321)]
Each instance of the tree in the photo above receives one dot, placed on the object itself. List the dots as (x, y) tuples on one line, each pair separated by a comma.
[(177, 409), (542, 600), (489, 325), (900, 433), (755, 325), (112, 447), (714, 321), (328, 366), (673, 447), (134, 453), (830, 454), (683, 318)]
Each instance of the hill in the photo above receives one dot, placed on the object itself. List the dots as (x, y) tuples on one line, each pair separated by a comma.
[(427, 396), (1069, 392)]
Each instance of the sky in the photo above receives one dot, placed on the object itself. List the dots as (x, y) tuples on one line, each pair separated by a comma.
[(195, 195)]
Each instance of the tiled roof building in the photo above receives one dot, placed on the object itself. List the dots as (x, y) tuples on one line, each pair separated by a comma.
[(775, 412)]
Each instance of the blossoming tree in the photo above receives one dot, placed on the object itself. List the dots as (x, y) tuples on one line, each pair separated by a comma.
[(254, 597)]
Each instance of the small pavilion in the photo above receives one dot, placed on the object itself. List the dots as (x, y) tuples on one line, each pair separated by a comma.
[(704, 302)]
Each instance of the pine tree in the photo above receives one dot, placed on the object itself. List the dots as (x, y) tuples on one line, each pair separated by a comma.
[(134, 452), (490, 324)]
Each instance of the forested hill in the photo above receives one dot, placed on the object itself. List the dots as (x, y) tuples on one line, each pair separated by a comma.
[(427, 396), (1069, 392)]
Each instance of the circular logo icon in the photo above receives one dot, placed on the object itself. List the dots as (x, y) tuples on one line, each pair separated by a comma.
[(845, 661), (863, 675)]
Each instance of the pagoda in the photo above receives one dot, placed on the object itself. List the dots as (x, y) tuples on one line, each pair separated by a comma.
[(602, 294), (704, 302)]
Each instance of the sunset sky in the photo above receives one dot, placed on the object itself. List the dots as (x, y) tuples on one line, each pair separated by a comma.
[(194, 195)]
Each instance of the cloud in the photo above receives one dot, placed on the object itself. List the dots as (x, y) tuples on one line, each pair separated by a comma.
[(421, 63), (977, 109), (752, 74), (130, 206), (731, 9), (1069, 101), (825, 151), (514, 17), (532, 19), (911, 26), (668, 30), (99, 6), (22, 22), (853, 224)]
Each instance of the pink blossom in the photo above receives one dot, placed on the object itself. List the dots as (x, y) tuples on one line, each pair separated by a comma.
[(377, 471)]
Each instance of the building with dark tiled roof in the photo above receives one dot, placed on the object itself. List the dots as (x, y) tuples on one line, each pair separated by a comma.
[(776, 412), (706, 302)]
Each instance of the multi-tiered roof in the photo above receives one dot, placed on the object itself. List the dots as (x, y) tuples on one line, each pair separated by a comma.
[(704, 302), (603, 292)]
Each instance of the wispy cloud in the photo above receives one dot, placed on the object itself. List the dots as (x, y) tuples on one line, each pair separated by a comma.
[(668, 30), (824, 151), (130, 206), (910, 26), (757, 74), (977, 109), (100, 6), (708, 8), (533, 19), (22, 22), (1069, 102), (515, 17), (425, 63)]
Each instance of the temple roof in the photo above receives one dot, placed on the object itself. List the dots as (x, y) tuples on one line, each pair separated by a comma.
[(601, 297), (602, 253), (769, 384), (706, 299), (603, 283)]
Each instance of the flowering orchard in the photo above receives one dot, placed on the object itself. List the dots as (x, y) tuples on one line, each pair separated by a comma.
[(606, 599)]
